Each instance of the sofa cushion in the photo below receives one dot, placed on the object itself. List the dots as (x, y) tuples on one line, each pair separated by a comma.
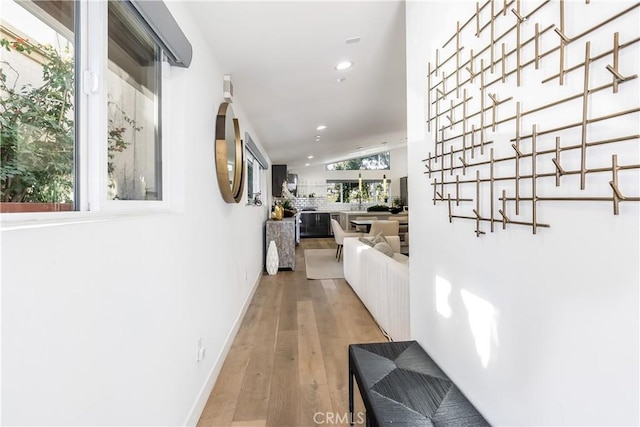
[(384, 248), (379, 238), (367, 241)]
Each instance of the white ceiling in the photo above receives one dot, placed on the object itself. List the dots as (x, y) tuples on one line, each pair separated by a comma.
[(281, 57)]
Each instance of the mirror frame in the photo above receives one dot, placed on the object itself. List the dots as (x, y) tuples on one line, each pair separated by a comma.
[(230, 193)]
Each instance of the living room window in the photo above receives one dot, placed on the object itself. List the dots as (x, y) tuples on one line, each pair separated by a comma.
[(348, 191), (380, 161)]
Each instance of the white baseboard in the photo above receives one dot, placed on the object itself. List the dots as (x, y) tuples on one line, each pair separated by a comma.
[(203, 396)]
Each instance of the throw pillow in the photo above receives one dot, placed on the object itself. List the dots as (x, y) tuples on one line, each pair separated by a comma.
[(379, 238), (384, 248), (367, 241)]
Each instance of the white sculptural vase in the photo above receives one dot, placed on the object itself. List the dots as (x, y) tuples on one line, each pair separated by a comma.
[(272, 258)]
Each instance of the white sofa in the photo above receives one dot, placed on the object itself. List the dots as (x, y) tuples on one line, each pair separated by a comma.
[(381, 283)]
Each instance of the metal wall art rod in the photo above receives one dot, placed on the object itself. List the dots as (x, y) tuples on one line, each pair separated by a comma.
[(561, 101), (482, 106), (593, 58), (555, 151), (528, 224), (493, 31), (518, 45), (457, 59), (537, 46), (517, 158), (556, 161), (495, 16), (491, 177), (478, 9), (541, 175), (562, 42), (464, 124), (534, 178), (614, 184), (504, 64), (503, 211), (616, 41), (473, 141), (429, 97), (526, 64), (477, 209), (585, 118)]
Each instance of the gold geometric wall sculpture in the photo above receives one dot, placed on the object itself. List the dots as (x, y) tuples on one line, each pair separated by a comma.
[(503, 123)]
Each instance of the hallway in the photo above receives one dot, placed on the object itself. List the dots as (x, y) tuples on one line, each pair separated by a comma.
[(288, 363)]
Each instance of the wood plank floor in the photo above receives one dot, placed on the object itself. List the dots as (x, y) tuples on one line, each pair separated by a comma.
[(288, 364)]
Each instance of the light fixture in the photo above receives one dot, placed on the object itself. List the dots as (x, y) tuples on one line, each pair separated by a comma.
[(353, 40), (307, 164), (321, 127), (309, 157), (340, 79), (344, 65)]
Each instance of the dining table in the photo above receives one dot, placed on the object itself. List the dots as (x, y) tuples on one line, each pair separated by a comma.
[(368, 222)]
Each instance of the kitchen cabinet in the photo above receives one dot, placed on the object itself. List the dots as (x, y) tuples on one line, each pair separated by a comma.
[(278, 176), (315, 224)]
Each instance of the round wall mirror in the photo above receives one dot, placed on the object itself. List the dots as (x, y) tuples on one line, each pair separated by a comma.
[(229, 155)]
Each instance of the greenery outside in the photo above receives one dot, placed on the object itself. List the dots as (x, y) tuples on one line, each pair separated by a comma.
[(37, 128)]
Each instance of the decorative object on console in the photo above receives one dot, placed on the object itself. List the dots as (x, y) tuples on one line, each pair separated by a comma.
[(272, 260), (277, 212), (562, 129)]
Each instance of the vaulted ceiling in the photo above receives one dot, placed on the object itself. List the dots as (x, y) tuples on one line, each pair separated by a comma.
[(282, 56)]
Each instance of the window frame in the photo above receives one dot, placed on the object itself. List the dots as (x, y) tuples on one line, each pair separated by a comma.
[(90, 168)]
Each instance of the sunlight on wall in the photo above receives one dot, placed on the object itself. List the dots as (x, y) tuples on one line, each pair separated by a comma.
[(443, 290), (482, 320)]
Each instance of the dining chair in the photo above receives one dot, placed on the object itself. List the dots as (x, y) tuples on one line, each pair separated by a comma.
[(339, 234), (387, 228)]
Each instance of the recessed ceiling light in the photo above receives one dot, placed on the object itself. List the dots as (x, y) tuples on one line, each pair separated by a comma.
[(307, 164), (309, 157), (353, 40), (344, 65), (321, 127), (340, 79)]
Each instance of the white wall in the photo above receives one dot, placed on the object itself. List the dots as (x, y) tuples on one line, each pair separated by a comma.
[(535, 329), (316, 176), (100, 319)]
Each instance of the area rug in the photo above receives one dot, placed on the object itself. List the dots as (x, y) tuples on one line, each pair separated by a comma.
[(322, 264)]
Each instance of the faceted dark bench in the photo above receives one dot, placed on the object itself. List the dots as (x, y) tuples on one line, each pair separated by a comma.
[(401, 385)]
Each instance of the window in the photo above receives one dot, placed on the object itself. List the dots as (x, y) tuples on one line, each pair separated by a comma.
[(134, 161), (37, 106), (379, 161), (254, 181), (348, 191), (45, 118), (256, 163)]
